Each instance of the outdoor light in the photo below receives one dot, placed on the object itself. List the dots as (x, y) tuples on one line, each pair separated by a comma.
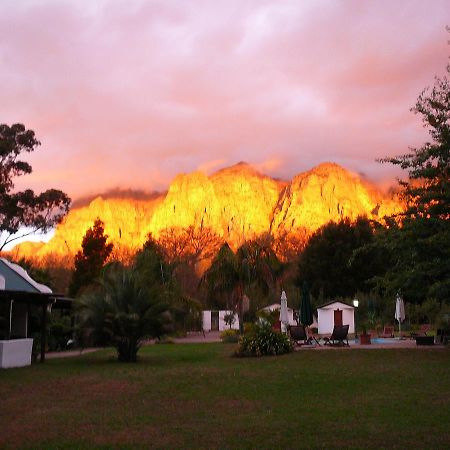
[(356, 304)]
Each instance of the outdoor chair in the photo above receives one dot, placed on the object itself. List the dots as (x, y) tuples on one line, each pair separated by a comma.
[(339, 335), (423, 330), (298, 334), (388, 332)]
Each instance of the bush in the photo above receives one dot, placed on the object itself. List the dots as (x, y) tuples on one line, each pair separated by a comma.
[(263, 340), (229, 336)]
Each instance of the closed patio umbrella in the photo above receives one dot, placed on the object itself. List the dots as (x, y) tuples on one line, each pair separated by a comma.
[(306, 312), (284, 318), (399, 312)]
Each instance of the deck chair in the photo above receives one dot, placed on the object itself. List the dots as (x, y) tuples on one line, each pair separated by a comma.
[(388, 332), (339, 335), (298, 334), (424, 328)]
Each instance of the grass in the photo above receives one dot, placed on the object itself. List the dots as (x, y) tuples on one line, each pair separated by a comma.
[(198, 396)]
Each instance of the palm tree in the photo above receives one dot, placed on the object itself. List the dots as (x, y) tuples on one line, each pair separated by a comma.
[(231, 273), (122, 311)]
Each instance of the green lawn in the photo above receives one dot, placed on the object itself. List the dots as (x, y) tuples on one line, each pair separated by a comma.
[(198, 396)]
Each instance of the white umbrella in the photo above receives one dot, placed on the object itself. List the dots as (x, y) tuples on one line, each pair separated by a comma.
[(284, 318), (399, 311)]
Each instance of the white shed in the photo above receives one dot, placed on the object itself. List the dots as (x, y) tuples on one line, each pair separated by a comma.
[(335, 313), (276, 307), (215, 321)]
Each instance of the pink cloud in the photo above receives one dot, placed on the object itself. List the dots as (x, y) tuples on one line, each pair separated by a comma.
[(129, 95)]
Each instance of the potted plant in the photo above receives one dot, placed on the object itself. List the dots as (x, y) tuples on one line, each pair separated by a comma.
[(364, 337)]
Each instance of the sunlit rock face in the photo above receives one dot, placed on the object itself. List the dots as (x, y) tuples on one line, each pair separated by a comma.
[(247, 200), (237, 203), (328, 193), (191, 200), (126, 222)]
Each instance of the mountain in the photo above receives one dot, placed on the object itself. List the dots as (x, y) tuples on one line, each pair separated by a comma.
[(238, 203)]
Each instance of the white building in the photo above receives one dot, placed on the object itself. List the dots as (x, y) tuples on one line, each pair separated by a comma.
[(18, 291), (215, 321), (335, 313), (277, 307)]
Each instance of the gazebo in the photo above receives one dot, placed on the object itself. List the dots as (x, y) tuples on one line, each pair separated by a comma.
[(18, 294)]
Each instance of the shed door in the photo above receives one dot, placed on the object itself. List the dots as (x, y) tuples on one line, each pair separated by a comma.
[(338, 317), (214, 320)]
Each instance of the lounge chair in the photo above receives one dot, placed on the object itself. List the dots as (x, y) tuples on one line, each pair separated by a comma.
[(339, 335), (298, 334), (424, 328), (388, 332)]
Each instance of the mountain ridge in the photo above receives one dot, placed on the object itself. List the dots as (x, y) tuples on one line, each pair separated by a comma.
[(237, 203)]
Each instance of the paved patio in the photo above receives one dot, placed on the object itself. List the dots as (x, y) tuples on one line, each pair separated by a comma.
[(214, 336), (400, 343)]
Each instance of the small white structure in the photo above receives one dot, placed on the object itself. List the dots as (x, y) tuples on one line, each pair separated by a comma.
[(15, 353), (215, 321), (335, 313), (277, 307)]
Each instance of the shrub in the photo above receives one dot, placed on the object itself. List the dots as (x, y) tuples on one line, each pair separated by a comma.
[(228, 336), (264, 341), (229, 318)]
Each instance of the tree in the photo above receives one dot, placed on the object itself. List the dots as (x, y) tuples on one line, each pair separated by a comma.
[(24, 209), (123, 311), (223, 279), (90, 260), (231, 273), (420, 244), (326, 263), (190, 245), (152, 267), (427, 191), (188, 250)]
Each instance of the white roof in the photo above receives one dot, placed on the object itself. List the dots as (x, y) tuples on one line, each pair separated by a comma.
[(334, 305), (24, 274), (273, 307)]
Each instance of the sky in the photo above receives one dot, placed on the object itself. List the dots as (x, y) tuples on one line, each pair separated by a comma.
[(127, 94)]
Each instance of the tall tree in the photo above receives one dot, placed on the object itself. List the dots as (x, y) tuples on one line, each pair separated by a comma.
[(24, 210), (420, 246), (427, 191), (325, 263), (152, 267), (92, 257)]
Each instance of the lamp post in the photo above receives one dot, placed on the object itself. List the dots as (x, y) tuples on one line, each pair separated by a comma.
[(356, 304)]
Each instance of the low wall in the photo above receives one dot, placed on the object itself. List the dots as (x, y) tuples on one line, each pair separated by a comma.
[(15, 353)]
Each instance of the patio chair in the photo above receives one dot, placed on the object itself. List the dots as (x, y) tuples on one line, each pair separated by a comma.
[(388, 332), (298, 334), (339, 335), (424, 328)]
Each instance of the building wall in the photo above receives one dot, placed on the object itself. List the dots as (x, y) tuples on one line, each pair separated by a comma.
[(325, 319), (206, 320), (222, 325), (15, 353)]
